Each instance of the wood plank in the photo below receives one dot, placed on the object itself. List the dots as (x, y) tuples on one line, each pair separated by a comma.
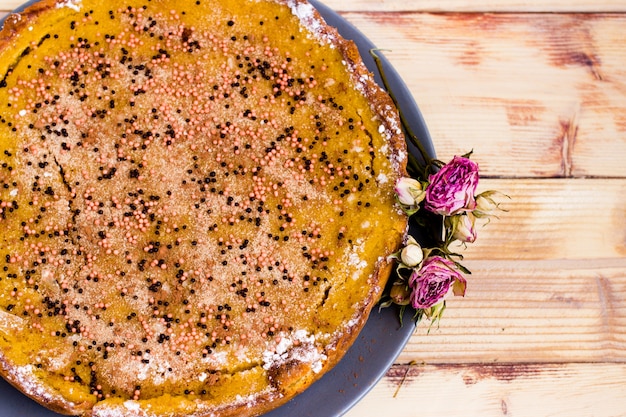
[(521, 390), (530, 311), (479, 6), (534, 95), (453, 5), (554, 219)]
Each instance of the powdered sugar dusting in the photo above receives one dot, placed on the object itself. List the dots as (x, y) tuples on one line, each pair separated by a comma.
[(354, 259), (298, 346), (132, 405), (353, 255), (251, 400), (308, 17), (10, 321), (125, 409), (30, 384), (72, 4)]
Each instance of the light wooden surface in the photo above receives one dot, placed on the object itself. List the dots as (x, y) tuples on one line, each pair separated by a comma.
[(537, 89), (541, 98), (453, 5)]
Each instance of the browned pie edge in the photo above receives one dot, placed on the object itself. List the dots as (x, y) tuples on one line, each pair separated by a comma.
[(297, 376)]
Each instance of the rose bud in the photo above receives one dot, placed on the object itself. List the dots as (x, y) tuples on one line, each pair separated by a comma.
[(409, 191), (451, 190), (433, 281), (400, 293), (462, 226), (411, 255), (486, 205)]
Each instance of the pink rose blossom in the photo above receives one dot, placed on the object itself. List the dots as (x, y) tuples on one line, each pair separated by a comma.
[(451, 190), (433, 280)]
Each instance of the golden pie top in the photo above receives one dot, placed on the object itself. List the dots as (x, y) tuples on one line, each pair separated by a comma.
[(196, 203)]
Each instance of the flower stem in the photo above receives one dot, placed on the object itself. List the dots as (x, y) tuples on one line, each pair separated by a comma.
[(414, 140)]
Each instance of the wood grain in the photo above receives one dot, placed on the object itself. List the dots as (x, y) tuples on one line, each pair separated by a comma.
[(530, 311), (521, 390), (539, 6), (554, 219), (453, 5), (534, 95)]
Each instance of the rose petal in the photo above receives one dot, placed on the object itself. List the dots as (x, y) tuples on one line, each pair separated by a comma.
[(452, 189)]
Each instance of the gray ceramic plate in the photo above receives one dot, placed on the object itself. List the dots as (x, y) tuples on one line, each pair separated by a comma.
[(381, 340)]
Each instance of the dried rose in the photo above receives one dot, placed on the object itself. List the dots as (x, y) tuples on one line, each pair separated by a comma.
[(462, 226), (411, 255), (451, 190), (486, 205), (433, 281), (409, 191), (400, 293)]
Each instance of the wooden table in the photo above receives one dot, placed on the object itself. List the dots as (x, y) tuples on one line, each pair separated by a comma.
[(537, 88)]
